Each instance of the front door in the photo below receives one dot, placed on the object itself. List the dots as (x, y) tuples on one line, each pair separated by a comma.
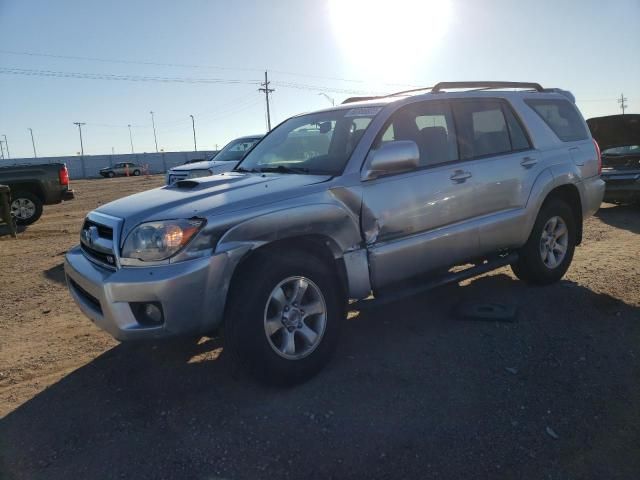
[(419, 221)]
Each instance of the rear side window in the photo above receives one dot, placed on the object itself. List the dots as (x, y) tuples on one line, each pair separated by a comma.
[(482, 129), (562, 118)]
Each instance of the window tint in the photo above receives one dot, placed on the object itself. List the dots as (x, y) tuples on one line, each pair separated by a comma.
[(562, 118), (430, 125), (519, 140), (482, 129)]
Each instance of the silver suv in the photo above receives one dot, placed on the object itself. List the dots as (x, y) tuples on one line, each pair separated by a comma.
[(367, 201)]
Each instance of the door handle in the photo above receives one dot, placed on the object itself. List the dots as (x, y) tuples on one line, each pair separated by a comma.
[(528, 162), (460, 176)]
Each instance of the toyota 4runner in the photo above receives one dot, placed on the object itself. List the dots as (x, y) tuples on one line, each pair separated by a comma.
[(366, 202)]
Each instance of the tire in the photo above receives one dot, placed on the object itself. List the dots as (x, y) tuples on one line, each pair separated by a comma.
[(264, 289), (25, 207), (111, 174), (531, 267), (136, 173)]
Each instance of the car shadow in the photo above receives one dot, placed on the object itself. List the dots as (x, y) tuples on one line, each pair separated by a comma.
[(4, 229), (412, 392), (55, 274), (626, 217)]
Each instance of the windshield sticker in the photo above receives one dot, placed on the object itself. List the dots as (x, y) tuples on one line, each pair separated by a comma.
[(363, 112)]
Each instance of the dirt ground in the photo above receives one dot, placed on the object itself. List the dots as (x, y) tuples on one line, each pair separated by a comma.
[(413, 391)]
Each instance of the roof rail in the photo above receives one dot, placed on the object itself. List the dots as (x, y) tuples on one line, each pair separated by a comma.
[(358, 99), (488, 85)]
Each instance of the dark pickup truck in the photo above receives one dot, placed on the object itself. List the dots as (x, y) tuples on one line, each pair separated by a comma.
[(33, 186)]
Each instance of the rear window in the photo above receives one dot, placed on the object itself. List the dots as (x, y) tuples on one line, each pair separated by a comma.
[(562, 117)]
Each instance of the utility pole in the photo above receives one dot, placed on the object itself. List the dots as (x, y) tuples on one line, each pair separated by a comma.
[(193, 124), (1, 150), (267, 91), (155, 138), (79, 124), (6, 144), (33, 143), (130, 138), (333, 102), (621, 101)]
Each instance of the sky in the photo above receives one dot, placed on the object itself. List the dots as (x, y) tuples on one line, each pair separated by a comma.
[(109, 63)]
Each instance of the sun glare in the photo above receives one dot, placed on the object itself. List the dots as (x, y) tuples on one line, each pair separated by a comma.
[(389, 39)]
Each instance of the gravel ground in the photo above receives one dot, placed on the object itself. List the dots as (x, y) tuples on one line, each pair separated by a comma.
[(413, 391)]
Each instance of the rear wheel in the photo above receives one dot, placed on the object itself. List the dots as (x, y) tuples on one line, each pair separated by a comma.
[(546, 256), (26, 207), (136, 173), (283, 318)]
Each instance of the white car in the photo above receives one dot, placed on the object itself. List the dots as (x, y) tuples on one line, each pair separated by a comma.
[(223, 161)]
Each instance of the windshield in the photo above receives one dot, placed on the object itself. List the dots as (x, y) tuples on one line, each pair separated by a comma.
[(235, 150), (319, 143)]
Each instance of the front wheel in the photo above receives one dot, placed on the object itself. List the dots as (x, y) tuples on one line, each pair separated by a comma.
[(136, 173), (283, 318), (547, 255), (111, 174)]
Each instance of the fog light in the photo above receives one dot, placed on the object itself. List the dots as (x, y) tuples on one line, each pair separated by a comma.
[(149, 314), (153, 313)]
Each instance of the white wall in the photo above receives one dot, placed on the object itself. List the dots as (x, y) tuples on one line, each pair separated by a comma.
[(89, 165)]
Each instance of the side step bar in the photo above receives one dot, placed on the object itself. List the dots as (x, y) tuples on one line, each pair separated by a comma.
[(452, 277)]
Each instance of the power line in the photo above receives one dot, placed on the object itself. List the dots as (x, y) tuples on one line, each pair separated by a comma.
[(191, 65), (162, 79)]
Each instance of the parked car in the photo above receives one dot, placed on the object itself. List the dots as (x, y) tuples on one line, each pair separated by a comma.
[(33, 186), (122, 169), (223, 161), (378, 197), (619, 139)]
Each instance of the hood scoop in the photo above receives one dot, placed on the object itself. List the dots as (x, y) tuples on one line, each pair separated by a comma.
[(186, 184)]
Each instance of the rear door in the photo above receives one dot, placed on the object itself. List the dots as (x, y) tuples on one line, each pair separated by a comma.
[(504, 167), (418, 221)]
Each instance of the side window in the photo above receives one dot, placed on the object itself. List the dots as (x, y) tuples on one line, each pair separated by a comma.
[(482, 129), (562, 117), (519, 140), (430, 125)]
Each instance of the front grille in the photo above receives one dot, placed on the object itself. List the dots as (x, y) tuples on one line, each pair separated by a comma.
[(93, 301), (97, 242), (105, 258), (103, 231), (175, 177)]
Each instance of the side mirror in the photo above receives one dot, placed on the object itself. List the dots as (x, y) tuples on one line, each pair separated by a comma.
[(393, 157)]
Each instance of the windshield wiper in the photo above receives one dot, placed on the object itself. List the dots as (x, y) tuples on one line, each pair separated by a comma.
[(284, 169), (245, 170)]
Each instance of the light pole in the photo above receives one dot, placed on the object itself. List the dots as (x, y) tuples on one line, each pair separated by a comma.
[(79, 124), (33, 143), (155, 138), (328, 98), (1, 150), (193, 124), (130, 138), (6, 144)]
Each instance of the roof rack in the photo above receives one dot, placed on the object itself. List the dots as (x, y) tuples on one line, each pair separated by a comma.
[(359, 99), (486, 85)]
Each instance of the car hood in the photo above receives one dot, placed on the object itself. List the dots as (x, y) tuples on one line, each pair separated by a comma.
[(205, 164), (207, 196), (615, 130)]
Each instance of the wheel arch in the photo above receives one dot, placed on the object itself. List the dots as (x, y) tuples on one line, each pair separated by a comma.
[(569, 194), (30, 187)]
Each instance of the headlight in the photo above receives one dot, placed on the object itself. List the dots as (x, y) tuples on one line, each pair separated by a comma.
[(199, 173), (153, 241)]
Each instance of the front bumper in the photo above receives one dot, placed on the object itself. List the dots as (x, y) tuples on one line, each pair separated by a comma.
[(192, 295), (621, 186)]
